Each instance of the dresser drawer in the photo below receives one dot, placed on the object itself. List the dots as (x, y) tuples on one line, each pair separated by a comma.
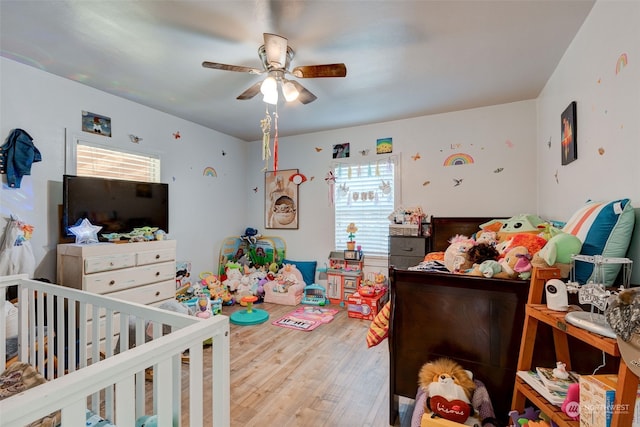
[(148, 294), (112, 281), (154, 257), (407, 246), (108, 262)]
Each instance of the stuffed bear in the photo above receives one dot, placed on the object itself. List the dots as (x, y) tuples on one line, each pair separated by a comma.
[(449, 389)]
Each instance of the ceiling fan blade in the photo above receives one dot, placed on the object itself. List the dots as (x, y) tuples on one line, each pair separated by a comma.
[(251, 92), (225, 67), (304, 95), (326, 70), (276, 49)]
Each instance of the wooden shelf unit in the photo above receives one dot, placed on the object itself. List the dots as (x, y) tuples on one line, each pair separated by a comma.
[(537, 313)]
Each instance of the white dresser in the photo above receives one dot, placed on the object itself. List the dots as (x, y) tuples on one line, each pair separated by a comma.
[(141, 272)]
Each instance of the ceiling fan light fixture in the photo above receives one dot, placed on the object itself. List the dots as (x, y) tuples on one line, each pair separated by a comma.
[(271, 97), (289, 91), (269, 86)]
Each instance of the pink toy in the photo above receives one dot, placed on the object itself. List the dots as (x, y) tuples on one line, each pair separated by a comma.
[(203, 308), (571, 404)]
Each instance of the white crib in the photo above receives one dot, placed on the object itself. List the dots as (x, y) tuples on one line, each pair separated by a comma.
[(84, 375)]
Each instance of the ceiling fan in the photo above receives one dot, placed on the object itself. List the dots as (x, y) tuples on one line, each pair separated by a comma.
[(276, 56)]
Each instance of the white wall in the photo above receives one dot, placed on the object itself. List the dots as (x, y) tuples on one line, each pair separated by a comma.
[(203, 209), (513, 137), (608, 114), (501, 136)]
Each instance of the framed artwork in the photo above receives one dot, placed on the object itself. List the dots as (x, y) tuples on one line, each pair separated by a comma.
[(569, 135), (341, 151), (96, 124), (281, 199), (384, 146)]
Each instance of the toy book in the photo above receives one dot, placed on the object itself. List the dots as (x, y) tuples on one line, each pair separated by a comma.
[(554, 383), (533, 379)]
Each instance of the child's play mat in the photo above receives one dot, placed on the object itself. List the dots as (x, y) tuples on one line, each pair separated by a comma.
[(306, 318)]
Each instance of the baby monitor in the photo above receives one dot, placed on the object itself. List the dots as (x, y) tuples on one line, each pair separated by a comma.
[(556, 291)]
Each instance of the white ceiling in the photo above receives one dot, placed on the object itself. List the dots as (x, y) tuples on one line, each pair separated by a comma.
[(404, 58)]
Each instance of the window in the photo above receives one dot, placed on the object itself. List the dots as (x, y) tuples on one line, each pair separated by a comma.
[(105, 162), (366, 194)]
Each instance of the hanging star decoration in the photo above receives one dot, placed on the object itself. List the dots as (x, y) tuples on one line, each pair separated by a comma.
[(457, 182), (85, 232), (176, 135), (416, 157)]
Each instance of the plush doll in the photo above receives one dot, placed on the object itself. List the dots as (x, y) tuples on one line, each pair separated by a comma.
[(523, 266), (487, 236), (488, 269), (234, 274), (523, 223), (532, 242), (449, 389), (557, 253), (456, 256), (509, 262)]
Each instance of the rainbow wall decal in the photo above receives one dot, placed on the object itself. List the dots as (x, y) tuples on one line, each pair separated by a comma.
[(209, 171), (458, 159), (622, 62)]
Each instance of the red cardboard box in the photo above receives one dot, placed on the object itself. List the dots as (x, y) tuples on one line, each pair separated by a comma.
[(360, 307)]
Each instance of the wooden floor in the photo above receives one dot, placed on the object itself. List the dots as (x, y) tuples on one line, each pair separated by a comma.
[(326, 377)]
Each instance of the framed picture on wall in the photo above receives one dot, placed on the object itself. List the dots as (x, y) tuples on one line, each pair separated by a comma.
[(96, 124), (569, 135), (281, 199)]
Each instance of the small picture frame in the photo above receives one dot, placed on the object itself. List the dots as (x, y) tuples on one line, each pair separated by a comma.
[(569, 135), (96, 124)]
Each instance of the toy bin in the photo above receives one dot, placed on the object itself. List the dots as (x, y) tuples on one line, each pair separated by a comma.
[(365, 307)]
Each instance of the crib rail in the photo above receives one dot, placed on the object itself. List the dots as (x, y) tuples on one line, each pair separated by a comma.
[(78, 330)]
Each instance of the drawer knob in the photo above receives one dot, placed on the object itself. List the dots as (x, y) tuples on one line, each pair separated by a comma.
[(408, 249), (157, 273), (158, 256), (158, 293), (111, 283)]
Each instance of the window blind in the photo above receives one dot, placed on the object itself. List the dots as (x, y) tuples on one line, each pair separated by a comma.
[(365, 194), (92, 160)]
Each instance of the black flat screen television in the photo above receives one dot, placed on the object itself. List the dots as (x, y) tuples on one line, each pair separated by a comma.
[(118, 206)]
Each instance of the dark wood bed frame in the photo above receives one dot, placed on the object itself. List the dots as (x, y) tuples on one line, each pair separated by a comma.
[(472, 320)]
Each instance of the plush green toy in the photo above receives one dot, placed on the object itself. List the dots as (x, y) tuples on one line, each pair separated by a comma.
[(557, 253)]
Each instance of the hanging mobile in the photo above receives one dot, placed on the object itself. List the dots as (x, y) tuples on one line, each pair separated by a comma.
[(265, 125)]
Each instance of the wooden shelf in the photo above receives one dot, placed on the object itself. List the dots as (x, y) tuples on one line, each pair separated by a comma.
[(537, 313)]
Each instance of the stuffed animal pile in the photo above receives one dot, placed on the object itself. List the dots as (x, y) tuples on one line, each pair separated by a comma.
[(509, 249)]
